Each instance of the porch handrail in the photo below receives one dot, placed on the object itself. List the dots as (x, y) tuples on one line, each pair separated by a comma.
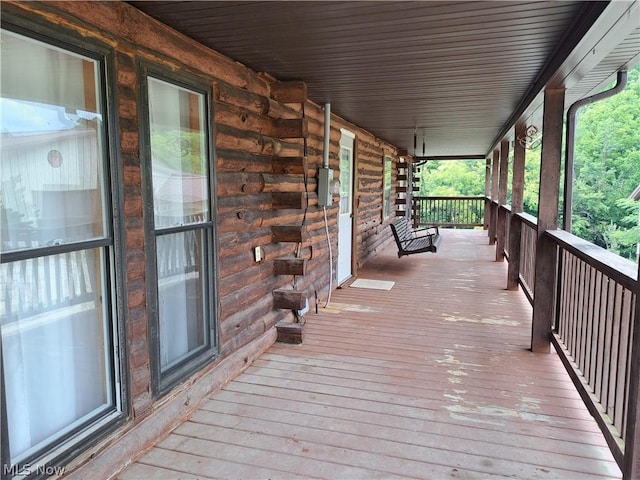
[(447, 211), (595, 297)]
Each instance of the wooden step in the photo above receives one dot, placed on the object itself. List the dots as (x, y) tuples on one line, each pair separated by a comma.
[(288, 233), (289, 200), (289, 92), (290, 128), (290, 265), (290, 165), (290, 332), (289, 299), (283, 182)]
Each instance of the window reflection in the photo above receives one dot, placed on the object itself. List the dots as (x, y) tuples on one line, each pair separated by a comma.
[(51, 147), (178, 155), (183, 228), (180, 295), (346, 179)]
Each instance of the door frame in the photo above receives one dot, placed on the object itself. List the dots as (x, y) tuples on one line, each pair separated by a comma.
[(354, 205)]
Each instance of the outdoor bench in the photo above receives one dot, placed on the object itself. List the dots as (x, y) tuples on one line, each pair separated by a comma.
[(410, 241)]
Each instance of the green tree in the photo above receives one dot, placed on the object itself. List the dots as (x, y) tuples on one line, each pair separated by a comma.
[(452, 178), (607, 170)]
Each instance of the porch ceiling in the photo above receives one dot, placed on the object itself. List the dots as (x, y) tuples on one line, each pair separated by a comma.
[(461, 73)]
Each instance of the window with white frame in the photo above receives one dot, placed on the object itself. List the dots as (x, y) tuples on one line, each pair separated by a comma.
[(179, 187), (58, 316)]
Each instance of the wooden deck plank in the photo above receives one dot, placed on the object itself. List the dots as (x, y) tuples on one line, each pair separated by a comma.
[(175, 455), (431, 379), (573, 430), (431, 422), (398, 376), (289, 455), (306, 425), (454, 400), (139, 471), (437, 393)]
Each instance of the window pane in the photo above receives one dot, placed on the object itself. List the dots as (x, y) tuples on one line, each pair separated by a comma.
[(181, 293), (54, 346), (346, 180), (387, 186), (51, 146), (179, 155)]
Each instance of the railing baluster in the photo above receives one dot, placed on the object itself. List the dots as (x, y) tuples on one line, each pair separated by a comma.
[(589, 330), (580, 313), (623, 361), (596, 308), (452, 212)]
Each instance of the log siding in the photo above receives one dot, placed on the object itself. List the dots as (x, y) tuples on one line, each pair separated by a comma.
[(250, 115)]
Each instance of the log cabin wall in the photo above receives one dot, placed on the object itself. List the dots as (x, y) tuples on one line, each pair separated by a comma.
[(251, 132)]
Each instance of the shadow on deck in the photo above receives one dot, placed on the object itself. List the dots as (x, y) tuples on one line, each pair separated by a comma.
[(431, 379)]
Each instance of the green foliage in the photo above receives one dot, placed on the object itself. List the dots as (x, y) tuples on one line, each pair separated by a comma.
[(452, 178), (531, 181), (179, 150), (624, 238), (607, 170)]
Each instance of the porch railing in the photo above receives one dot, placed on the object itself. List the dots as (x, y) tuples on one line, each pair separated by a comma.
[(466, 212), (528, 239), (595, 297), (595, 302)]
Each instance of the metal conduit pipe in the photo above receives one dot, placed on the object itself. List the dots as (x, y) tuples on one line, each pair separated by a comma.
[(620, 85), (327, 134), (325, 164)]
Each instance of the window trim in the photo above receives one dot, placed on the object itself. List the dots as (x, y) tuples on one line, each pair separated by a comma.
[(84, 436), (164, 382)]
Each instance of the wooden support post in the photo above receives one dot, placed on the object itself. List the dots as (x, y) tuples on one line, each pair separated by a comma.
[(502, 200), (548, 196), (289, 92), (517, 204), (487, 195), (631, 466), (495, 170)]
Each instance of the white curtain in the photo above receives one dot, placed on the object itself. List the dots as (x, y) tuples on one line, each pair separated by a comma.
[(53, 351)]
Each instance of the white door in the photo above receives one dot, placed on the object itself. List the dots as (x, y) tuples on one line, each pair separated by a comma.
[(345, 220)]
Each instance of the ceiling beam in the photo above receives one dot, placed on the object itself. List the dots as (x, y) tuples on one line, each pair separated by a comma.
[(584, 21), (428, 158)]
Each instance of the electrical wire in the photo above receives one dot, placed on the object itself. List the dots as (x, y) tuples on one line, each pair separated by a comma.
[(326, 229)]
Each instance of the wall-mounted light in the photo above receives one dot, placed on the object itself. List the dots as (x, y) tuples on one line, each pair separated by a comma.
[(531, 138)]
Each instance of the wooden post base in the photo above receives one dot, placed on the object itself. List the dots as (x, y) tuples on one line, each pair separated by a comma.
[(290, 332)]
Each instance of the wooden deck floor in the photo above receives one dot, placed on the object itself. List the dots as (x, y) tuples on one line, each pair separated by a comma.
[(432, 379)]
